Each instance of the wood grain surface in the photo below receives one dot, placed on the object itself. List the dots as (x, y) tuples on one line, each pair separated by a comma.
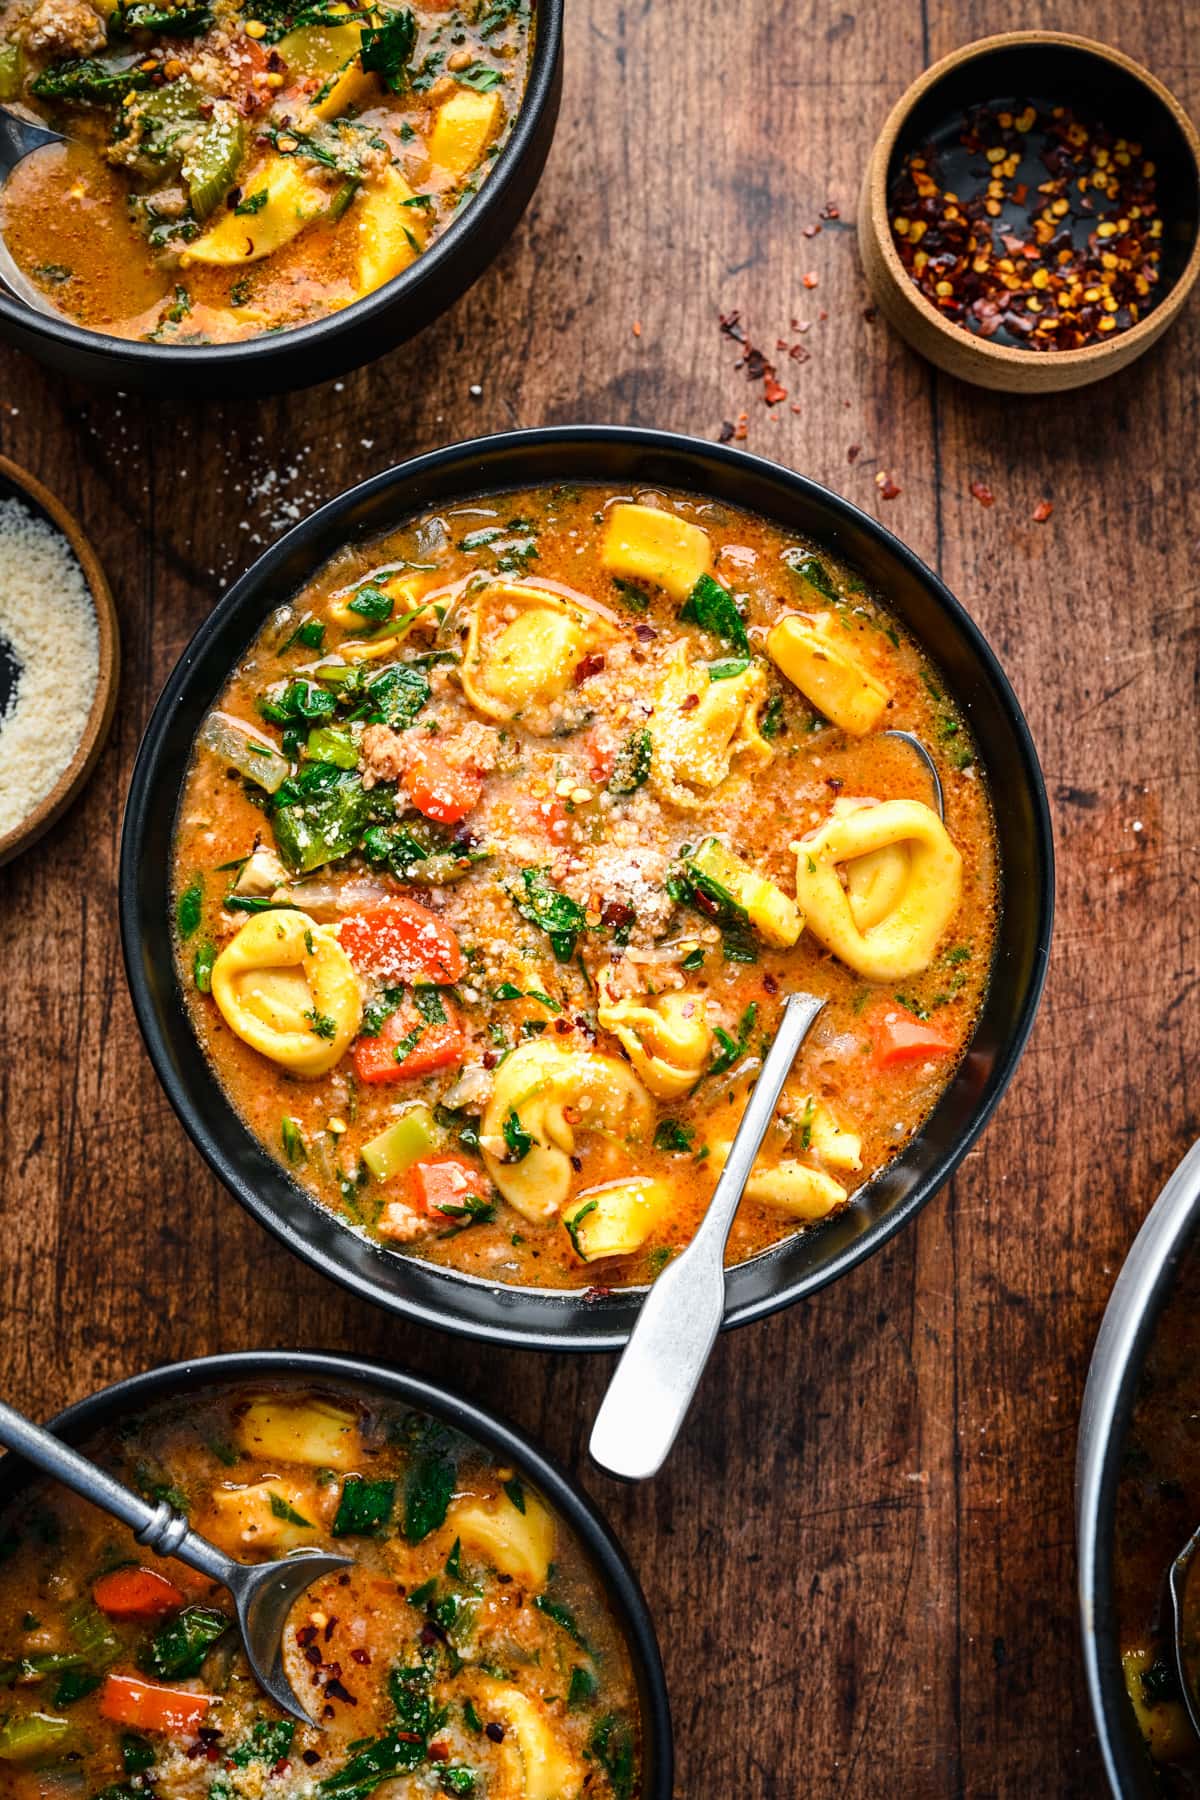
[(861, 1557)]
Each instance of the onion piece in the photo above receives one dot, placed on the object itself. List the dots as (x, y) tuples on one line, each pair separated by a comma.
[(245, 750)]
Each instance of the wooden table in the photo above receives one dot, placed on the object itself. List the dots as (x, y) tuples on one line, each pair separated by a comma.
[(862, 1555)]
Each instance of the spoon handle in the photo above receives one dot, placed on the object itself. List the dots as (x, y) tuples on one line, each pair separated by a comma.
[(154, 1524), (660, 1369)]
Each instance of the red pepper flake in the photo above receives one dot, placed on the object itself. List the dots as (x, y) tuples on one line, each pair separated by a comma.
[(772, 392), (888, 489), (725, 435), (689, 703), (811, 279), (830, 211), (731, 326), (743, 420), (590, 665), (637, 328), (810, 231), (1042, 511), (854, 452), (983, 493)]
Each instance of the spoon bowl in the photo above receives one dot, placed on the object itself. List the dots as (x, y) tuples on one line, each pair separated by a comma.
[(263, 1593), (19, 138)]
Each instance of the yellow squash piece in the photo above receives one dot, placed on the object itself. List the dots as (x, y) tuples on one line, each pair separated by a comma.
[(496, 1532), (300, 1431), (773, 914), (294, 200), (391, 231), (643, 543), (616, 1219), (789, 1186), (817, 656), (540, 1084), (904, 940), (1162, 1723), (287, 988), (465, 125), (320, 49), (667, 1039), (260, 1517), (694, 745), (537, 1764), (523, 646)]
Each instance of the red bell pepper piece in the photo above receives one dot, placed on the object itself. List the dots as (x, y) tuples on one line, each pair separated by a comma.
[(898, 1036), (149, 1706)]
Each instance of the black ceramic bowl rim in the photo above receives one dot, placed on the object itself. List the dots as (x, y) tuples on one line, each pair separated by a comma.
[(556, 1319), (1139, 1298), (141, 360), (109, 1405)]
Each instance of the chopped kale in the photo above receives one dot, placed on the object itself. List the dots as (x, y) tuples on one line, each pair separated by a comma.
[(713, 608), (179, 1648), (387, 48)]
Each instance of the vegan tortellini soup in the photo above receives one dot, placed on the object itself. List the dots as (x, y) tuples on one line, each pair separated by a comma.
[(468, 1651), (504, 844), (237, 166)]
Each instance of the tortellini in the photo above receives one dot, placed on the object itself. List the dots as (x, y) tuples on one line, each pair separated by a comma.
[(308, 1431), (523, 647), (701, 727), (551, 1094), (789, 1186), (817, 656), (285, 986), (881, 945), (616, 1219), (518, 1543), (537, 1764), (269, 1515), (644, 543), (822, 1132), (667, 1039)]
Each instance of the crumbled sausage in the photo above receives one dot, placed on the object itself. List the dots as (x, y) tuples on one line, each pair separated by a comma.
[(383, 754), (400, 1224)]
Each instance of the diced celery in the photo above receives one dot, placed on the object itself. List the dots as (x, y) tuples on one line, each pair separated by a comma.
[(332, 744), (395, 1149), (94, 1635), (30, 1736), (212, 162), (249, 754), (11, 70)]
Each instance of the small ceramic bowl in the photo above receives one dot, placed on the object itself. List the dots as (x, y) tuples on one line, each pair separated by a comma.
[(17, 483), (1047, 66)]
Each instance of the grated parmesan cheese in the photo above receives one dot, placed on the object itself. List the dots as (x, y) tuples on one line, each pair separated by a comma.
[(48, 622)]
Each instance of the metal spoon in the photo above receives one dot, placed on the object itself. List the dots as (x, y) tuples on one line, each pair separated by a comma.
[(1178, 1583), (660, 1369), (913, 741), (263, 1593), (19, 137)]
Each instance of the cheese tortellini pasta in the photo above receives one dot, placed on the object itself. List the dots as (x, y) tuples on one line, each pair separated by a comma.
[(701, 728), (667, 1039), (902, 940), (286, 987), (538, 1764), (818, 656), (548, 1095), (523, 648), (616, 1220), (519, 1541)]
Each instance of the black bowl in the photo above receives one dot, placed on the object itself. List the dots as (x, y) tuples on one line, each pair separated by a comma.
[(111, 1405), (539, 1317), (1169, 1235), (342, 340)]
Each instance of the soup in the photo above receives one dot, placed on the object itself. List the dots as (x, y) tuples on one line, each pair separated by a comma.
[(508, 837), (1158, 1508), (469, 1648), (234, 169)]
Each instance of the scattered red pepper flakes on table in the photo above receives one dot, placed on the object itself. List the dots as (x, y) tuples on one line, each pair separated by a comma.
[(1032, 225), (1042, 511), (983, 493), (888, 488)]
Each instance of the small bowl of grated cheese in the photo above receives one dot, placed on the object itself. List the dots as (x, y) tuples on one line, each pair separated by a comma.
[(58, 659)]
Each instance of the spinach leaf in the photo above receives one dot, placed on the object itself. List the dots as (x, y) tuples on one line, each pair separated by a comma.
[(457, 1780), (280, 1509), (188, 908), (560, 917), (73, 1684), (611, 1744), (365, 1507), (562, 1616), (178, 1650), (319, 815), (168, 21), (269, 1742), (583, 1689), (202, 966), (672, 1135), (396, 696), (137, 1753), (728, 667), (712, 607), (480, 76), (393, 1754), (292, 1138), (812, 570), (428, 1485), (387, 48), (301, 702), (575, 1221), (733, 1048), (372, 603), (632, 763), (517, 1140), (94, 83), (411, 1692)]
